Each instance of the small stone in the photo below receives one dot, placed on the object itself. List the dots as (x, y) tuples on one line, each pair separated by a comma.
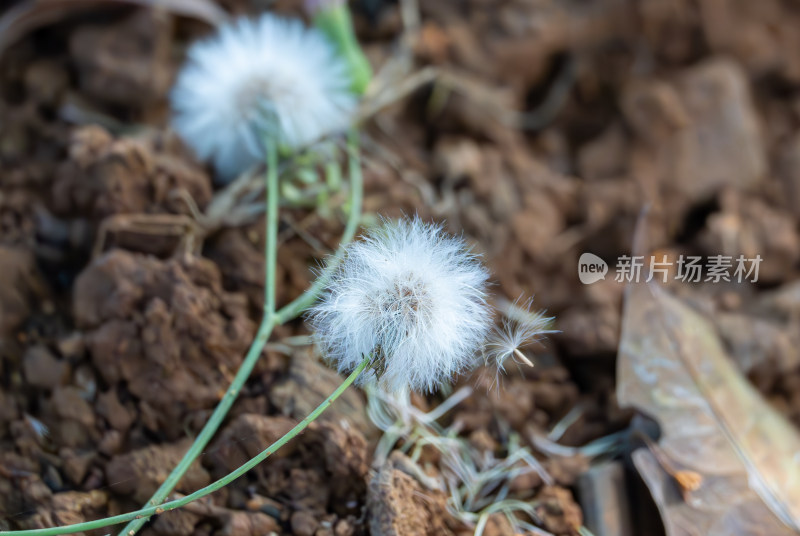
[(304, 524), (140, 472), (76, 464), (117, 415), (179, 522), (398, 504), (43, 369), (249, 524), (111, 443), (69, 404), (71, 345), (343, 528), (558, 511)]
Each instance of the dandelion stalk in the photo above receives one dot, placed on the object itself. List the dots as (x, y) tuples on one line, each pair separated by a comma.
[(333, 18), (222, 482), (271, 242), (270, 319)]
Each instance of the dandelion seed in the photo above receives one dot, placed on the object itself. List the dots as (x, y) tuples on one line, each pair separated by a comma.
[(38, 427), (520, 328), (265, 77), (410, 295)]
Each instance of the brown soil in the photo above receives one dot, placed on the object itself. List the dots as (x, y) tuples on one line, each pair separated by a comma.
[(109, 361)]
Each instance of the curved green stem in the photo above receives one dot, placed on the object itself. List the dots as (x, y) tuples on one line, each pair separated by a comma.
[(271, 318), (224, 481)]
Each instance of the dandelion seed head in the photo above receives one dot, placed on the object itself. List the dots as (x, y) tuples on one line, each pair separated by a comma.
[(256, 78), (412, 296)]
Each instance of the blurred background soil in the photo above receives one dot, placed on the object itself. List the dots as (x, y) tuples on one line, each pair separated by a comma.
[(550, 126)]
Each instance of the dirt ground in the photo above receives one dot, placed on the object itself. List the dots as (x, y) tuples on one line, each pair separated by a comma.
[(551, 125)]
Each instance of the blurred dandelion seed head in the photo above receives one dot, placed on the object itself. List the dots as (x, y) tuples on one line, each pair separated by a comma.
[(260, 78), (411, 295)]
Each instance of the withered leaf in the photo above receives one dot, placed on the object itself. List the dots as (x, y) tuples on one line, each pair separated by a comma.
[(673, 367)]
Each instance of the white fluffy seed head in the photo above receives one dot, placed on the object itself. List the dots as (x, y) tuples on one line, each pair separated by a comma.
[(410, 295), (520, 328), (266, 77)]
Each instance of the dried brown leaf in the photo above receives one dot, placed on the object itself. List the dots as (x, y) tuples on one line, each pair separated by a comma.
[(746, 456), (33, 14)]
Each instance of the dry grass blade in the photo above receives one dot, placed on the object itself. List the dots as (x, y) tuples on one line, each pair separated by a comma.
[(673, 367), (28, 16)]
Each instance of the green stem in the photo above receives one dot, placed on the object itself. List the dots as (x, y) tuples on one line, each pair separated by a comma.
[(271, 243), (270, 318), (335, 22), (253, 353), (224, 481)]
